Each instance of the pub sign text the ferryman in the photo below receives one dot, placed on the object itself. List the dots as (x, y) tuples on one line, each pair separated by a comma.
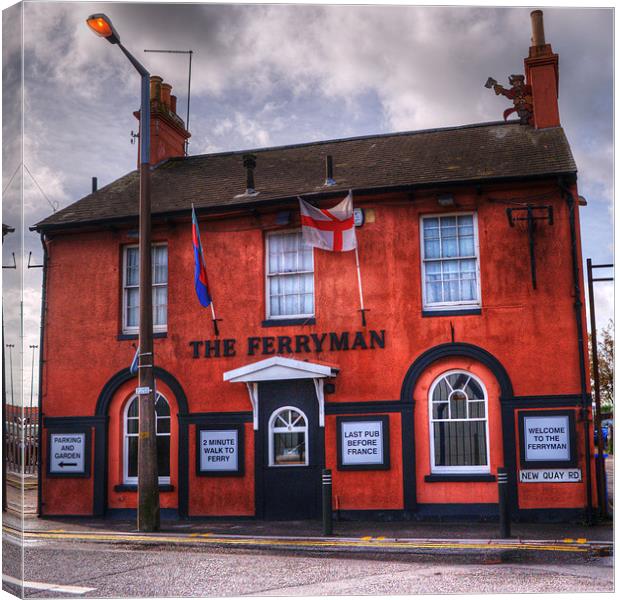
[(287, 344)]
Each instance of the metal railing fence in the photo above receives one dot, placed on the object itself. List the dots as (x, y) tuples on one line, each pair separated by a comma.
[(22, 439)]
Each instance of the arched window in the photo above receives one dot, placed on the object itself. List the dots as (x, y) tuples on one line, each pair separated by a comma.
[(459, 434), (288, 438), (130, 447)]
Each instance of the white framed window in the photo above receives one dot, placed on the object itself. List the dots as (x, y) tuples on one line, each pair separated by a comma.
[(290, 276), (450, 261), (459, 433), (130, 439), (131, 288), (288, 438)]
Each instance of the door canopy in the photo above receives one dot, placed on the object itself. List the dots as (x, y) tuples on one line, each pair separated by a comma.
[(278, 368)]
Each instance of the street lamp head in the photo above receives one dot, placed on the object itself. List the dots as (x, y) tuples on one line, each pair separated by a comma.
[(102, 26)]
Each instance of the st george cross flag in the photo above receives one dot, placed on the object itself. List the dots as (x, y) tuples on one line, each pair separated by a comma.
[(329, 229), (200, 271)]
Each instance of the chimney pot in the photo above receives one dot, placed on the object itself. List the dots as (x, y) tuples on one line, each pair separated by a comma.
[(329, 170), (538, 28), (156, 82), (173, 104), (94, 184), (249, 162), (166, 88)]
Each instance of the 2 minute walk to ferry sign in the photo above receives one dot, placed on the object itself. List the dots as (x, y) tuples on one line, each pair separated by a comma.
[(548, 447)]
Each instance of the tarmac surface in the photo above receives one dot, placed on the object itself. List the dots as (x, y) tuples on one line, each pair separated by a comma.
[(69, 557)]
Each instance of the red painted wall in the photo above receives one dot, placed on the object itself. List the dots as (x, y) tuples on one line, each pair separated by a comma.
[(67, 495), (223, 496), (531, 332), (356, 490), (456, 492)]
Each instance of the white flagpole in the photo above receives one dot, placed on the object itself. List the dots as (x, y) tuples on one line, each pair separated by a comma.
[(359, 276), (359, 285)]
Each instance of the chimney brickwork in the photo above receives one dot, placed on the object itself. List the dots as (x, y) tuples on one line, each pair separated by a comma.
[(168, 133), (541, 71)]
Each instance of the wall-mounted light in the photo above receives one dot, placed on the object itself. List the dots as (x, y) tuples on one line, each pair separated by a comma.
[(445, 200)]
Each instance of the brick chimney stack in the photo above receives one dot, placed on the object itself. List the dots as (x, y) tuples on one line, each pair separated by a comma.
[(168, 133), (541, 71)]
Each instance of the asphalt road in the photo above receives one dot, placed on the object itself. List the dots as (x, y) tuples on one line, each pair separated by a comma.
[(105, 570)]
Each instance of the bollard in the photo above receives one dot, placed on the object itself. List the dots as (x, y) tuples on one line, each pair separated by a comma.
[(504, 509), (327, 501)]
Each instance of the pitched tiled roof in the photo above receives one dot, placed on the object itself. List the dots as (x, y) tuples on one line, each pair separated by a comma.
[(459, 154)]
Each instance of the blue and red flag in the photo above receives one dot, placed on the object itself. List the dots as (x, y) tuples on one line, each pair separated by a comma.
[(200, 271)]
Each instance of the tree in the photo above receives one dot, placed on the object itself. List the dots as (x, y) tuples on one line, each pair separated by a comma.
[(605, 344)]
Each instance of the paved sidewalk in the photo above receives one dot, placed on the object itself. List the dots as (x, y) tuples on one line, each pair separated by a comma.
[(311, 529)]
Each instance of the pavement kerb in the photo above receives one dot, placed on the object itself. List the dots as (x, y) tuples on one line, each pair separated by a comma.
[(365, 543)]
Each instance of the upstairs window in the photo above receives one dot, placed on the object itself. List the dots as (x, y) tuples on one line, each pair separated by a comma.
[(290, 277), (450, 269), (458, 424), (131, 288)]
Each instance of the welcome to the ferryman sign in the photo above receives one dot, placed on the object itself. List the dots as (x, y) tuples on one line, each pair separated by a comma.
[(547, 440)]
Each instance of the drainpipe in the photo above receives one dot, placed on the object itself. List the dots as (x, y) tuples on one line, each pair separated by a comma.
[(41, 361), (585, 409)]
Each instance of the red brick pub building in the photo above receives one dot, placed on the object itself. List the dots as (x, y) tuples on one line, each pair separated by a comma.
[(472, 357)]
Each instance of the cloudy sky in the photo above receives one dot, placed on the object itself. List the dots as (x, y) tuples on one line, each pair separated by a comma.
[(271, 75)]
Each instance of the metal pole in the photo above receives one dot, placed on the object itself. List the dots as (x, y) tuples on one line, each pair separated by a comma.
[(11, 427), (586, 404), (148, 489), (327, 502), (600, 459), (34, 347), (4, 416), (28, 424), (504, 508), (189, 87), (10, 347)]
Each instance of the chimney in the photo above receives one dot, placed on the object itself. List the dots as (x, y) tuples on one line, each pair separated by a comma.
[(166, 88), (249, 162), (541, 71), (168, 133)]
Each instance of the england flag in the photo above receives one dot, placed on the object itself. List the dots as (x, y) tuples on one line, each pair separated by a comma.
[(329, 229)]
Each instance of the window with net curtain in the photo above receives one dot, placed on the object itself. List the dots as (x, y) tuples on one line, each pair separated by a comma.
[(131, 288), (458, 424), (290, 276), (450, 261), (162, 429)]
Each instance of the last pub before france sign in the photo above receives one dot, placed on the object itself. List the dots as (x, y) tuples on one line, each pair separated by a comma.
[(363, 443)]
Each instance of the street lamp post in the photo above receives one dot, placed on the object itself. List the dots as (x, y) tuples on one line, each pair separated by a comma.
[(148, 492)]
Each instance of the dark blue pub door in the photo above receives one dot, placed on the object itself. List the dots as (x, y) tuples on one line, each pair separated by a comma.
[(290, 451)]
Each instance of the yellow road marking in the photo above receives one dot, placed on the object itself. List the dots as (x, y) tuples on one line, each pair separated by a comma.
[(314, 543)]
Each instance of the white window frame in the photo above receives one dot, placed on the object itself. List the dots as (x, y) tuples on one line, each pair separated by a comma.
[(126, 435), (459, 304), (464, 469), (135, 329), (273, 430), (269, 316)]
